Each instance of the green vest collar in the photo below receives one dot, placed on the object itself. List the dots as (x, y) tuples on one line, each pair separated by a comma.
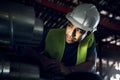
[(55, 45)]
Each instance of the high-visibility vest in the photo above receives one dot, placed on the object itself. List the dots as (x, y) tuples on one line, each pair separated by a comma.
[(55, 45)]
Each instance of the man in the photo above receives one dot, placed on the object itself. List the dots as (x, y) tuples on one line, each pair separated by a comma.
[(71, 50)]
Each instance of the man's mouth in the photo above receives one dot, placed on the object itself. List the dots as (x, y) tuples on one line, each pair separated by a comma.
[(69, 38)]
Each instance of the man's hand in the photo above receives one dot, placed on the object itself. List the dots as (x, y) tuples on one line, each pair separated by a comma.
[(53, 66), (58, 68)]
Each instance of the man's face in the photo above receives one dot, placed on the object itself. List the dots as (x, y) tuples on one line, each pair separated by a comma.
[(73, 33)]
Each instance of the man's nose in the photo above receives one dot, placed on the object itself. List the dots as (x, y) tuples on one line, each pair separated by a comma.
[(72, 32)]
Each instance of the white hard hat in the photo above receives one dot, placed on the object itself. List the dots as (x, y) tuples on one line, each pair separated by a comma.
[(85, 16)]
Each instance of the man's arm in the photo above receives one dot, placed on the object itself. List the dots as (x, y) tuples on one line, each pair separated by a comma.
[(59, 68), (90, 63), (84, 67)]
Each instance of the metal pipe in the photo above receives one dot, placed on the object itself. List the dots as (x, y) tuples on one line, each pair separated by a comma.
[(18, 71), (18, 25)]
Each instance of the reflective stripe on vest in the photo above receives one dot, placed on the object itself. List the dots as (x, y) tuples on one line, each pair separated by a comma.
[(55, 45)]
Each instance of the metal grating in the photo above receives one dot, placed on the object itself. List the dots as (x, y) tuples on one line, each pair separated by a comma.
[(51, 18)]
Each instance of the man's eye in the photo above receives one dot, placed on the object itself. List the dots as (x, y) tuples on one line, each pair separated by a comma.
[(78, 30), (69, 25)]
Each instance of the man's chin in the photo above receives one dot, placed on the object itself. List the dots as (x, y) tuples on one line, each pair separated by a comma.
[(69, 42)]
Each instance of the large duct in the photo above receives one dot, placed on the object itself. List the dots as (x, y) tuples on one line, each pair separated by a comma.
[(18, 71), (18, 25)]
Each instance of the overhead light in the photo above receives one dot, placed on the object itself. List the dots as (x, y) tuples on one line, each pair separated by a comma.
[(103, 12), (118, 42), (110, 15), (104, 40), (112, 42), (110, 38), (117, 17)]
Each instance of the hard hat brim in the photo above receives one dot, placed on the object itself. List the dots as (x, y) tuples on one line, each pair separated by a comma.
[(74, 22)]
